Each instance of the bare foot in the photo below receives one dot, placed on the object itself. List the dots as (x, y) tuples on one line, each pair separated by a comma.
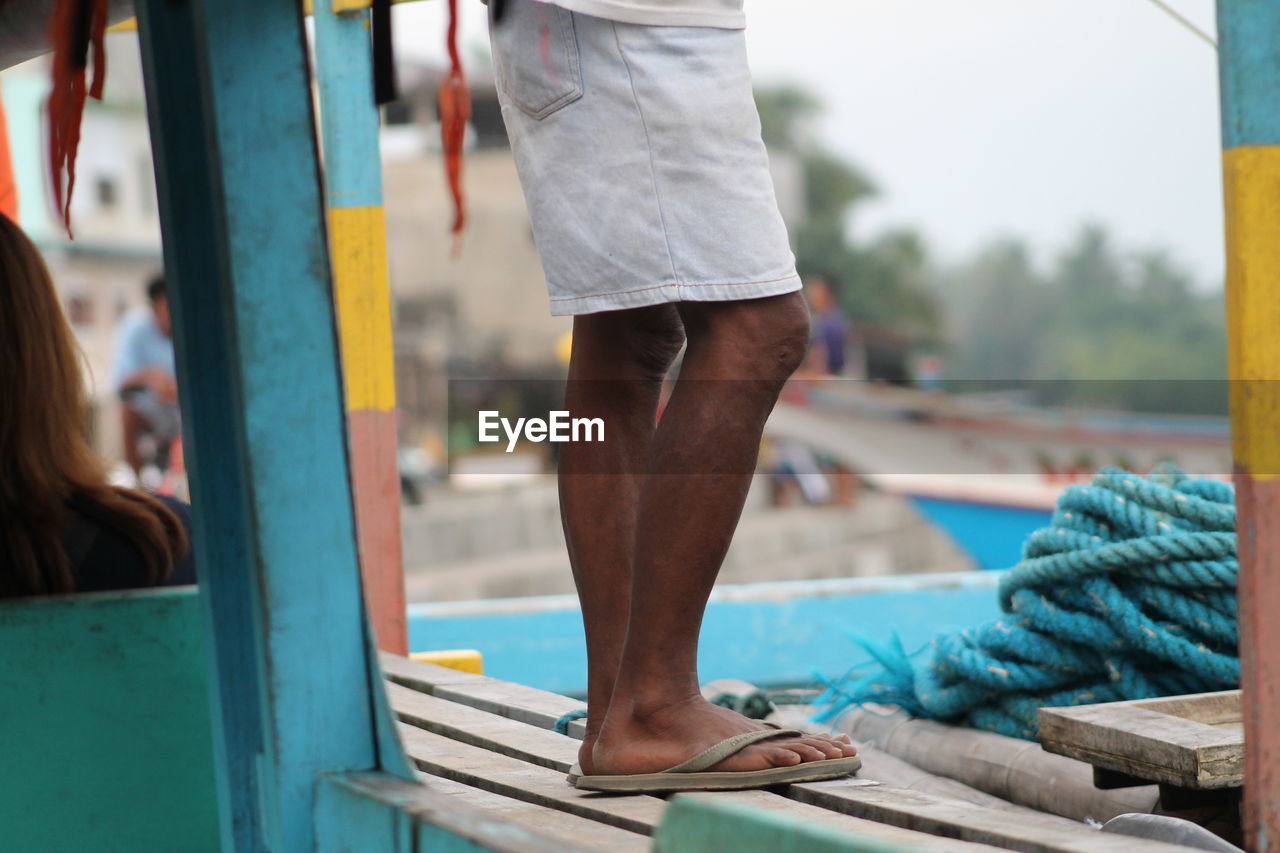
[(666, 736), (586, 760)]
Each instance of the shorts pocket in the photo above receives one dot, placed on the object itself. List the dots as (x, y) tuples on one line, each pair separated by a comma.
[(535, 57)]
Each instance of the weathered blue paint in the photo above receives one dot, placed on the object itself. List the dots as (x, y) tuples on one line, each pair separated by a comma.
[(992, 535), (184, 161), (768, 634), (697, 824), (374, 812), (237, 171), (1248, 44), (391, 755), (350, 820), (105, 733), (353, 178), (348, 115)]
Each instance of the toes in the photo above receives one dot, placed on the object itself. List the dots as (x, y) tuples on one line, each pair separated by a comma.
[(826, 747), (780, 757)]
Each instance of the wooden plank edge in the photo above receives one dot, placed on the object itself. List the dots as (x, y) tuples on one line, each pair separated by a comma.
[(527, 704), (411, 814), (540, 819), (499, 774), (696, 824), (479, 728), (764, 800), (1226, 773), (936, 816)]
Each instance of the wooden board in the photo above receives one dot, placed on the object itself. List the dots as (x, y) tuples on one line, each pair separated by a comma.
[(937, 816), (569, 828), (511, 777), (697, 823), (493, 737), (1187, 741), (380, 812), (101, 695), (897, 837), (526, 704), (498, 734)]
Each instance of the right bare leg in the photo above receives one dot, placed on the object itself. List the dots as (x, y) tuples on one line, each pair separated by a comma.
[(615, 373), (699, 469)]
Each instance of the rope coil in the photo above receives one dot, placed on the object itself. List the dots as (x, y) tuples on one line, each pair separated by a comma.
[(1128, 594)]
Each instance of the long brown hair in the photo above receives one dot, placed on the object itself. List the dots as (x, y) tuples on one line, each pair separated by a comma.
[(46, 463)]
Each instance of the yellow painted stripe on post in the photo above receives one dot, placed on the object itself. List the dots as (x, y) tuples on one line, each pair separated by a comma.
[(358, 237), (1251, 182)]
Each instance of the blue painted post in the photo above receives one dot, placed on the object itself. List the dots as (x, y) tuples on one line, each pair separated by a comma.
[(358, 244), (238, 178)]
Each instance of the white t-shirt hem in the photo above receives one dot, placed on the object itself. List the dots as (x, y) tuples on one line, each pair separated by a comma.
[(629, 12)]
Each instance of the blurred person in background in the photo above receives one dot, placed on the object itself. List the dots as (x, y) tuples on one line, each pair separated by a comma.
[(832, 331), (143, 378), (63, 528)]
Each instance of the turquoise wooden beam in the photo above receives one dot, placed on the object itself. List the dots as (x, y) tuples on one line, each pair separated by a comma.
[(242, 215), (697, 824)]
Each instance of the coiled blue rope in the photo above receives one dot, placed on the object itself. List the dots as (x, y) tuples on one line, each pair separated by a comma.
[(1128, 594)]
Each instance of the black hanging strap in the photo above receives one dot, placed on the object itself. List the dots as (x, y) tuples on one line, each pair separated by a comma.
[(384, 63)]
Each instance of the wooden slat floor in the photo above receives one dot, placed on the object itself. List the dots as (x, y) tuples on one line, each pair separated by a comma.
[(492, 743)]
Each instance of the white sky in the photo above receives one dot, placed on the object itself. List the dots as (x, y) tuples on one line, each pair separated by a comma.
[(983, 118)]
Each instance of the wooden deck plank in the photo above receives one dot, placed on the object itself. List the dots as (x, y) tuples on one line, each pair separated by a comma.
[(500, 774), (896, 815), (696, 823), (526, 743), (1188, 741), (816, 815), (483, 729), (570, 828), (526, 704), (377, 811), (937, 816)]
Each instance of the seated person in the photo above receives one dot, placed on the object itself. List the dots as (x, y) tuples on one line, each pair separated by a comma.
[(143, 377), (63, 528)]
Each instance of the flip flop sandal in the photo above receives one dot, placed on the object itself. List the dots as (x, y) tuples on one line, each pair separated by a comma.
[(692, 775), (575, 772)]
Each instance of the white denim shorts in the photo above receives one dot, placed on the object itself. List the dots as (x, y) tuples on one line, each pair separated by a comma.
[(639, 151)]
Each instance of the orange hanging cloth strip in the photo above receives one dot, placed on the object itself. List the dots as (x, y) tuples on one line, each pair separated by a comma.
[(76, 25), (8, 182), (455, 112)]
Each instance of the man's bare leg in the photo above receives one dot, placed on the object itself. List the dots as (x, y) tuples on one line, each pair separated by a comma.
[(619, 361), (739, 355)]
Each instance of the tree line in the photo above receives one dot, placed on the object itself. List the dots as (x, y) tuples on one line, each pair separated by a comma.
[(1097, 326)]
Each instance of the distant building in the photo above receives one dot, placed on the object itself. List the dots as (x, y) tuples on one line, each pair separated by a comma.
[(102, 273), (484, 313)]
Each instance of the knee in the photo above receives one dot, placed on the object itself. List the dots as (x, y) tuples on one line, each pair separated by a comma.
[(654, 343), (767, 338), (787, 337), (639, 343)]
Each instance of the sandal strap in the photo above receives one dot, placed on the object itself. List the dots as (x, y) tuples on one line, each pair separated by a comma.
[(730, 746)]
